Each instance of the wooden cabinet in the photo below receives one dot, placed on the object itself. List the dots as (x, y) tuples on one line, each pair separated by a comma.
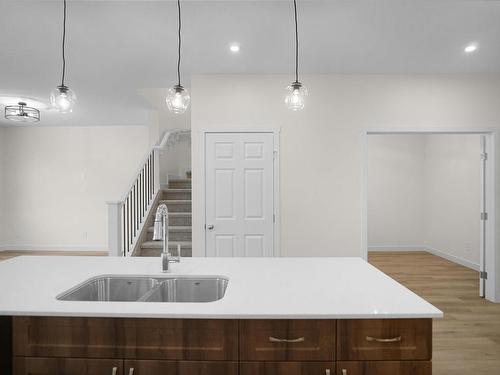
[(154, 367), (176, 339), (287, 340), (181, 339), (6, 344), (68, 337), (385, 368), (384, 339), (287, 368), (66, 366), (108, 346)]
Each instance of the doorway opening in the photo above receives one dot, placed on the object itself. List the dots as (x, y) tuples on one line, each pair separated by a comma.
[(432, 192)]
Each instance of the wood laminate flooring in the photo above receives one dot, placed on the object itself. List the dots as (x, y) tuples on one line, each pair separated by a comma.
[(4, 255), (467, 340)]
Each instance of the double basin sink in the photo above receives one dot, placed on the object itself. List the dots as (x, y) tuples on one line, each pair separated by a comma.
[(148, 289)]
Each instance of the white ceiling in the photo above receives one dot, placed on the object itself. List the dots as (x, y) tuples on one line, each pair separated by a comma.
[(117, 48)]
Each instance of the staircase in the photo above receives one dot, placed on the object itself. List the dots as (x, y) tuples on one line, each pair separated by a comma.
[(178, 200)]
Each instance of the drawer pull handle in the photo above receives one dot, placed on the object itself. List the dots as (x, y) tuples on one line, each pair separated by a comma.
[(131, 371), (394, 339), (344, 371), (292, 341), (113, 372)]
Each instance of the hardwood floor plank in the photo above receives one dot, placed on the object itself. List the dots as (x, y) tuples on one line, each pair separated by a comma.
[(4, 255), (467, 340)]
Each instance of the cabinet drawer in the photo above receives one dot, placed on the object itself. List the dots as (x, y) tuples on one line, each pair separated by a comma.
[(287, 340), (181, 339), (175, 339), (287, 368), (385, 368), (384, 339), (66, 337), (154, 367), (67, 366)]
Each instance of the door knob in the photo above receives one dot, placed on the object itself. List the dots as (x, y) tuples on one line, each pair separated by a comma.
[(210, 227)]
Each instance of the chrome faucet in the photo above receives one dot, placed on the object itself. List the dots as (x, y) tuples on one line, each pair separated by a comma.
[(160, 232)]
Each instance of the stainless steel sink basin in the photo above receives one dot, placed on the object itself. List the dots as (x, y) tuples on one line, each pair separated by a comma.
[(189, 290), (148, 289)]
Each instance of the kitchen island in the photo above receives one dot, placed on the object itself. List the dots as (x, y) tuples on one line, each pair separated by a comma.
[(293, 316)]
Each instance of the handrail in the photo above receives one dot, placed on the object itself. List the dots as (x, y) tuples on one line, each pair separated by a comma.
[(126, 216), (166, 137), (159, 146)]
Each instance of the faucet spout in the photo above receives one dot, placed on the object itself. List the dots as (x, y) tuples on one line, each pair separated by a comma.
[(160, 229)]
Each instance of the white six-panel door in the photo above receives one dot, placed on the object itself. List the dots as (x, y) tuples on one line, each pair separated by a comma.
[(239, 194)]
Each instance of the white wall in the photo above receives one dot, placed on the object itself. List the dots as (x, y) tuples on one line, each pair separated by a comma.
[(424, 194), (2, 182), (58, 180), (322, 146), (175, 161), (452, 196), (396, 184)]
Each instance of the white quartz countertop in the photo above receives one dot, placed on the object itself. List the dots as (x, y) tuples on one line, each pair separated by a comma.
[(259, 288)]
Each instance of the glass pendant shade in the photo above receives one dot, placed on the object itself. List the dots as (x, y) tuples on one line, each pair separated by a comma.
[(178, 99), (296, 96), (62, 98), (21, 113)]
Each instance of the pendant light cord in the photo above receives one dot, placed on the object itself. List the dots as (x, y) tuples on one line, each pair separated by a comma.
[(178, 43), (64, 44), (296, 42)]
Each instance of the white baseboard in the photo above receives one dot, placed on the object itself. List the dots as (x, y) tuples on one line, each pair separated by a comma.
[(433, 251), (397, 248), (453, 258), (51, 248)]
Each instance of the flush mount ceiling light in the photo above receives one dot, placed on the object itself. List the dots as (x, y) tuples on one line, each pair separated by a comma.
[(62, 98), (22, 113), (178, 98), (296, 92), (471, 47)]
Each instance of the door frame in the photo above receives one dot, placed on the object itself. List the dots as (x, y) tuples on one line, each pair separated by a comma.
[(199, 233), (492, 290)]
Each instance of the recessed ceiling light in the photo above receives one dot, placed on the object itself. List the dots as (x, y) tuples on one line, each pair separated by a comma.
[(472, 47), (234, 48)]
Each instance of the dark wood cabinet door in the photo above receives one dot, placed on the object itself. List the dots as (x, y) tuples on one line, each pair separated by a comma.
[(385, 368), (154, 367), (287, 340), (67, 366), (287, 368), (175, 339), (384, 339), (67, 337), (181, 339)]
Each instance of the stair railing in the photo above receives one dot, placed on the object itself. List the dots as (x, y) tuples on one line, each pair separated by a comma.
[(127, 216)]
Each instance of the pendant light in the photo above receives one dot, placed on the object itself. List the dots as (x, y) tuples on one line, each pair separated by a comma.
[(296, 92), (22, 113), (178, 98), (62, 98)]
